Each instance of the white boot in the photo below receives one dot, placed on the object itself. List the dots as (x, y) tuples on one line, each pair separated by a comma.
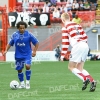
[(22, 85), (27, 84)]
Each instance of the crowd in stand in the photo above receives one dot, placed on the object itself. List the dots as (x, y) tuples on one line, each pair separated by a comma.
[(56, 10), (49, 6)]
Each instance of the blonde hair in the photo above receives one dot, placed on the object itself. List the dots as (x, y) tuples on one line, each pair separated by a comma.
[(65, 16)]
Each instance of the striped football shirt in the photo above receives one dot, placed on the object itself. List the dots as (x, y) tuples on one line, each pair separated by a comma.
[(72, 34)]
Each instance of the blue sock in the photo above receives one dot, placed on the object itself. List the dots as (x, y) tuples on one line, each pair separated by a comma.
[(21, 77), (28, 74)]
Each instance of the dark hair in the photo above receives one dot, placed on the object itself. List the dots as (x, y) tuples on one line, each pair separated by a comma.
[(21, 23)]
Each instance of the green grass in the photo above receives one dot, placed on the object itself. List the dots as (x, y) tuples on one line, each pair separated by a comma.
[(49, 81)]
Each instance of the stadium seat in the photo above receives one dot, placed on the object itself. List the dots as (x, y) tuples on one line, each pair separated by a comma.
[(59, 4), (31, 4), (19, 9), (36, 3), (41, 4), (51, 16), (19, 3), (63, 3)]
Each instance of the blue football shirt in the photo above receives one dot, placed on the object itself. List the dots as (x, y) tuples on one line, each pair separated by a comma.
[(23, 44)]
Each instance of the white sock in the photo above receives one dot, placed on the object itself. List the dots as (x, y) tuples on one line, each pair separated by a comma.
[(84, 72), (27, 81), (22, 82), (77, 73)]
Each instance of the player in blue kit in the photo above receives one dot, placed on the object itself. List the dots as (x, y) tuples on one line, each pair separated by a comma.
[(22, 40)]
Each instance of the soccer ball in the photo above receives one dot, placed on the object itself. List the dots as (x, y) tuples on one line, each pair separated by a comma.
[(14, 84)]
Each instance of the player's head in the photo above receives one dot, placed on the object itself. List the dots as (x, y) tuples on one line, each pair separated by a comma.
[(65, 17), (21, 26)]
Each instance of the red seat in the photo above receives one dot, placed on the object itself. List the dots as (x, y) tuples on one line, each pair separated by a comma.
[(63, 3), (59, 4), (31, 4), (41, 4), (19, 9), (18, 4), (36, 3)]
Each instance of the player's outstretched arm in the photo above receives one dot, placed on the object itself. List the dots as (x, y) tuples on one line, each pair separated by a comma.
[(35, 49), (7, 48)]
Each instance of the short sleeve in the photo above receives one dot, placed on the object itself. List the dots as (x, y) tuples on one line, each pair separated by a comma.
[(33, 39)]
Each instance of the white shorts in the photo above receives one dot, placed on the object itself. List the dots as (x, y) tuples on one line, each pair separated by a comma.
[(79, 52)]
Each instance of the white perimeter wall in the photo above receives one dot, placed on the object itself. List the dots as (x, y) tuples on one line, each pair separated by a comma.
[(41, 56)]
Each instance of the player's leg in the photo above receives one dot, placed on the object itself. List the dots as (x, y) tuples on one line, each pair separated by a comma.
[(84, 72), (80, 67), (72, 67), (88, 76), (19, 67), (28, 73), (75, 57)]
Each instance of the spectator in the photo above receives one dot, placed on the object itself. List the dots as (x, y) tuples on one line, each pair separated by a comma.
[(53, 2), (35, 9), (71, 1), (46, 8), (58, 52), (89, 54), (49, 4), (56, 15), (69, 6), (75, 5), (63, 8), (73, 14), (84, 0), (94, 1), (51, 9), (70, 14), (81, 5), (86, 6), (40, 10), (92, 6), (77, 20), (60, 9), (25, 5)]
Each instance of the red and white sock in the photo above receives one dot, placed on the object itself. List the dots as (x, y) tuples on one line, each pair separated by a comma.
[(87, 75), (79, 74)]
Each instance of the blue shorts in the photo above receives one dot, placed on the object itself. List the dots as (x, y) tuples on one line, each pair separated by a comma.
[(19, 64)]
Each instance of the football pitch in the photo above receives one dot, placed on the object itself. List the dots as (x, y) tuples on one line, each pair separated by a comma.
[(49, 81)]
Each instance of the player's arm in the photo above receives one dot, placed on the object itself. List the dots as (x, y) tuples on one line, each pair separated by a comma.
[(11, 43), (35, 49), (35, 42), (65, 43)]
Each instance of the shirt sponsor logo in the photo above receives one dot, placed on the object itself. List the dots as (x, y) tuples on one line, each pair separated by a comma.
[(20, 44)]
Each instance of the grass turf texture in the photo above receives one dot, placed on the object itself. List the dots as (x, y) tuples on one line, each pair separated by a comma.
[(49, 81)]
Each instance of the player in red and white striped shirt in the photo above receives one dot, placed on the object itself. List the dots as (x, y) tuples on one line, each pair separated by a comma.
[(74, 35)]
